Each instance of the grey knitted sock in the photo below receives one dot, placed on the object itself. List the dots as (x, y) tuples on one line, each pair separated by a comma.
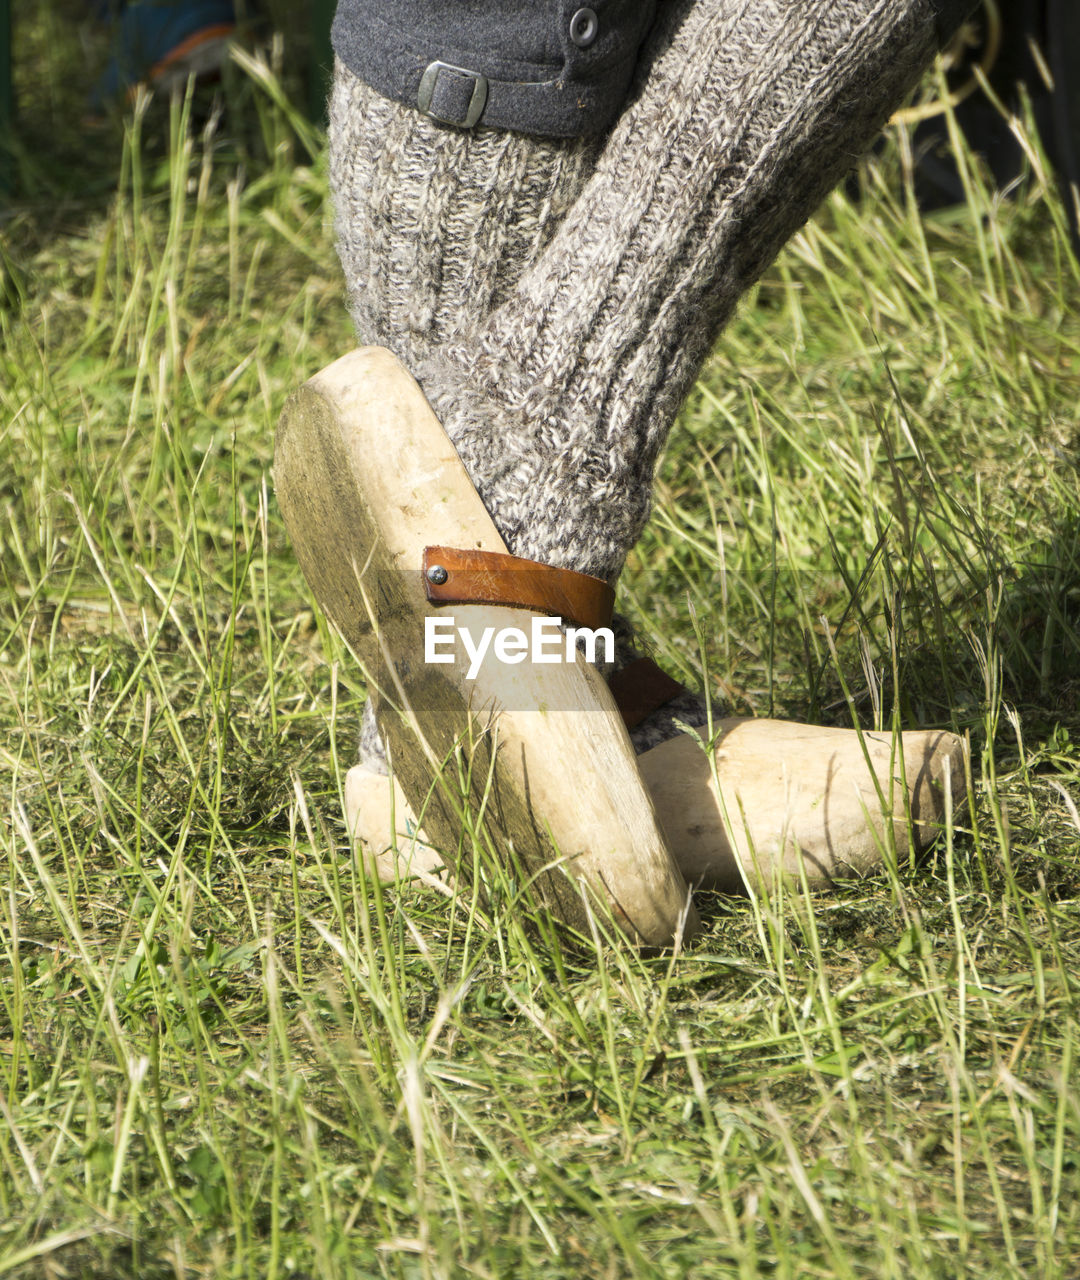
[(436, 225), (746, 113)]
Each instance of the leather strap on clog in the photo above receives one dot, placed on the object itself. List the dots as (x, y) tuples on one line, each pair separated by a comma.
[(640, 688), (455, 575)]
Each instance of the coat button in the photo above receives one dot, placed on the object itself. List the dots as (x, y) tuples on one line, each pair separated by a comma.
[(583, 28)]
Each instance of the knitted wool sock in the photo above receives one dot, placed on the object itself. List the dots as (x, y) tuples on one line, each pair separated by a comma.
[(436, 225), (745, 114)]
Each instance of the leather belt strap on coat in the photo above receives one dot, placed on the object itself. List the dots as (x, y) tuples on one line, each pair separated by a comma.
[(455, 575)]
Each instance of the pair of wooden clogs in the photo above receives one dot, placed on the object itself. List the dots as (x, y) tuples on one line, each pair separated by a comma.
[(367, 480)]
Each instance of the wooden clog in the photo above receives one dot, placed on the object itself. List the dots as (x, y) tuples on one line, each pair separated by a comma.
[(366, 480)]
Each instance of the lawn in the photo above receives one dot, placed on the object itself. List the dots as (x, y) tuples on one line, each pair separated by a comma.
[(225, 1053)]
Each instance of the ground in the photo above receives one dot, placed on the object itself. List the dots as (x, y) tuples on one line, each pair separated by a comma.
[(224, 1053)]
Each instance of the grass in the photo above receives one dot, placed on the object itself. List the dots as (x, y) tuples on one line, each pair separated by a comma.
[(224, 1053)]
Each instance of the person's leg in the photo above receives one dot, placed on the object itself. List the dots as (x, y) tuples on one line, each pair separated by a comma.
[(557, 368), (557, 374), (747, 112), (435, 226)]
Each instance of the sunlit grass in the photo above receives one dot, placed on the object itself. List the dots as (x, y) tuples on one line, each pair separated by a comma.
[(224, 1052)]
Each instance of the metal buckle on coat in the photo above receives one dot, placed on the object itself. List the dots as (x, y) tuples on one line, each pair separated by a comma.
[(452, 95)]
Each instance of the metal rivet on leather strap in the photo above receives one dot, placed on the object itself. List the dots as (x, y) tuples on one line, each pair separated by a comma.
[(474, 576)]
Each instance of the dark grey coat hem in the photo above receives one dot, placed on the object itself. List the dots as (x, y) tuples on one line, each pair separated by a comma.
[(547, 67), (536, 78)]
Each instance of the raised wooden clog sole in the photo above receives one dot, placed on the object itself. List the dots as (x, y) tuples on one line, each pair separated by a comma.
[(366, 479)]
